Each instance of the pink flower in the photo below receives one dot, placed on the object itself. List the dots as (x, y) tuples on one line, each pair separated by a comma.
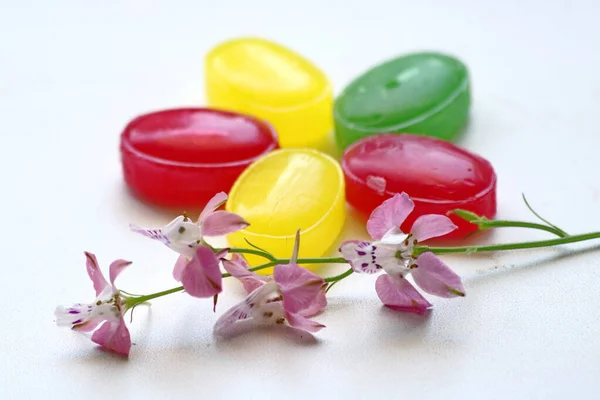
[(200, 275), (197, 267), (183, 236), (238, 267), (292, 295), (392, 252), (105, 312)]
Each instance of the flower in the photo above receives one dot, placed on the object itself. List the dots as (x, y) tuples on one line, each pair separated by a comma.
[(392, 252), (238, 267), (292, 294), (183, 236), (200, 275), (197, 267), (106, 311)]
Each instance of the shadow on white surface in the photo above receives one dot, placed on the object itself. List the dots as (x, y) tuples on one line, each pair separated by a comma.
[(503, 271), (241, 330)]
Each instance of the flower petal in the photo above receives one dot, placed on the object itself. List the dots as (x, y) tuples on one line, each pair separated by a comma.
[(180, 235), (201, 277), (318, 306), (182, 231), (435, 277), (156, 234), (394, 236), (240, 311), (215, 202), (390, 214), (221, 254), (399, 294), (180, 265), (238, 268), (114, 336), (432, 225), (368, 257), (296, 249), (299, 287), (221, 223), (72, 316), (89, 325), (94, 272), (116, 267), (299, 322)]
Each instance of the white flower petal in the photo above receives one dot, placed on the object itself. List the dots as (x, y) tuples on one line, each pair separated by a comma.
[(182, 230), (73, 315), (252, 307), (394, 236), (368, 257)]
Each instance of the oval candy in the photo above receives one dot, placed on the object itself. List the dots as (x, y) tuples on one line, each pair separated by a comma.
[(265, 79), (182, 157), (420, 93), (438, 175), (287, 190)]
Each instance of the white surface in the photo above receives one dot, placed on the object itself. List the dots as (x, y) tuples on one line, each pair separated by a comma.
[(72, 75)]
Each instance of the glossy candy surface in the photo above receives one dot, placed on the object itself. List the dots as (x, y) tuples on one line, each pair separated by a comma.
[(438, 175), (265, 79), (182, 157), (286, 190), (420, 93)]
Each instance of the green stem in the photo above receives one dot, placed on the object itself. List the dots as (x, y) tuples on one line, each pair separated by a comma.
[(253, 251), (324, 260), (508, 246), (131, 302), (340, 276), (276, 261), (518, 224), (542, 218)]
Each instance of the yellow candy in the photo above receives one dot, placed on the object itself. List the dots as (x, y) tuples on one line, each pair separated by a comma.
[(264, 79), (287, 190)]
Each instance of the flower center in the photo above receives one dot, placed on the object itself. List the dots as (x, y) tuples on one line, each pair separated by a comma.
[(111, 307), (269, 308), (405, 250)]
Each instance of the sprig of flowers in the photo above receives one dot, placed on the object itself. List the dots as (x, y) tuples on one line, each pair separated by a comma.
[(293, 295)]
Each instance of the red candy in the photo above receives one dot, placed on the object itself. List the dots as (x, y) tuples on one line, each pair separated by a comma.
[(436, 174), (182, 157)]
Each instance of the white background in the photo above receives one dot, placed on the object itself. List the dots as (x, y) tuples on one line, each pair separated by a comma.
[(73, 73)]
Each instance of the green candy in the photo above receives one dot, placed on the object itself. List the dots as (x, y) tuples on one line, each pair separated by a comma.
[(420, 93)]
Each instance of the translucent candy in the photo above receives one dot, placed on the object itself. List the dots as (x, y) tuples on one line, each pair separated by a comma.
[(421, 93), (265, 79), (438, 175), (182, 157), (286, 190)]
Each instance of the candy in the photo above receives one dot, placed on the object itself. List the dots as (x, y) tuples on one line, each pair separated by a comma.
[(265, 79), (182, 157), (286, 190), (436, 174), (421, 93)]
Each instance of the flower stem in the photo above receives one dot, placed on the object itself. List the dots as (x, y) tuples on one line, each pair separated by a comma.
[(508, 246), (339, 277), (131, 302), (485, 224), (274, 260), (256, 252)]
